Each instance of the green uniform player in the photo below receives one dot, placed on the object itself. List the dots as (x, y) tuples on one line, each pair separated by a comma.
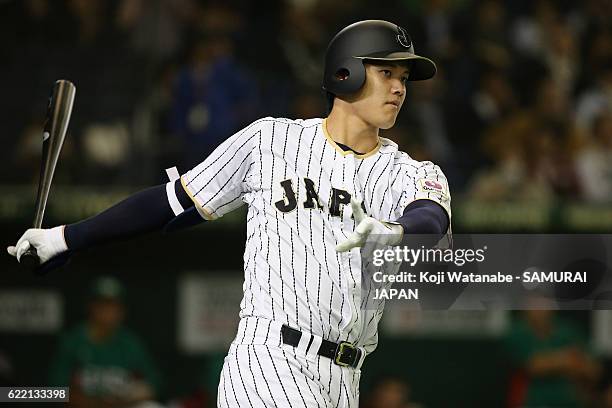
[(553, 358), (101, 361)]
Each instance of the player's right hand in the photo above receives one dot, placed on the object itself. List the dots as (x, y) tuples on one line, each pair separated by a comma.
[(368, 228), (47, 242)]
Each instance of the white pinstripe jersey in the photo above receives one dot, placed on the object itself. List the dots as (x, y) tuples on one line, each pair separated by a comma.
[(297, 183)]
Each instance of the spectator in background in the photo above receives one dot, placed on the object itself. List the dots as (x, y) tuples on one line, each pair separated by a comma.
[(597, 99), (493, 101), (560, 55), (389, 392), (553, 365), (533, 152), (213, 97), (597, 45), (158, 31), (490, 38), (104, 364), (548, 36), (594, 162), (528, 31)]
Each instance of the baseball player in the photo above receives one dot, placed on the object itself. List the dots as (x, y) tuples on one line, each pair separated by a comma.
[(316, 191)]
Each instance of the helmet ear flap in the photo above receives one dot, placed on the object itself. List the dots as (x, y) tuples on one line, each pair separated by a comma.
[(346, 77)]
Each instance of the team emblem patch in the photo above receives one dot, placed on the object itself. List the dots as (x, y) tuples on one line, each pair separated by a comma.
[(432, 186), (403, 38)]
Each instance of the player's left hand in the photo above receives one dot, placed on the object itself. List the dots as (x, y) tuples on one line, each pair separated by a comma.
[(370, 229)]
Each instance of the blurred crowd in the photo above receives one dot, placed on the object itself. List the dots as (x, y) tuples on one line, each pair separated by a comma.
[(520, 108)]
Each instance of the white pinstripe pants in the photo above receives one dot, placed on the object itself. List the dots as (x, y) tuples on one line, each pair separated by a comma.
[(260, 371)]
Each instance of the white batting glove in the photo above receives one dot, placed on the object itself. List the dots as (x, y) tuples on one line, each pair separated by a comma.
[(370, 229), (48, 243)]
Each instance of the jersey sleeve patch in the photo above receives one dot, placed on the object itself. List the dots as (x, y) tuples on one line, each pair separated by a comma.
[(421, 181), (426, 185)]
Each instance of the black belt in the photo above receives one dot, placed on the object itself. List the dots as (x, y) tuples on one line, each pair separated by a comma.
[(344, 354)]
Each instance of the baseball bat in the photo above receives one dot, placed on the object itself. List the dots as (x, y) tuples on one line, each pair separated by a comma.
[(54, 132)]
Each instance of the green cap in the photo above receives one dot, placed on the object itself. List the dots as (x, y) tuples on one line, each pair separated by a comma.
[(107, 287)]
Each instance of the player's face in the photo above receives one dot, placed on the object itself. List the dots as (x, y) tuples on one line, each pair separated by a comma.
[(106, 313), (382, 96)]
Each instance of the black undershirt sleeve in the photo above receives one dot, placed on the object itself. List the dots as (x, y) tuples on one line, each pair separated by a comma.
[(142, 212), (424, 217)]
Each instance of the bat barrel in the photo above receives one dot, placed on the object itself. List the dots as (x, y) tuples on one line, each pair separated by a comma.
[(54, 132), (59, 110)]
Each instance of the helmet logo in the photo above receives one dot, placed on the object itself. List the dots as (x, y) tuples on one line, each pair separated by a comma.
[(403, 38)]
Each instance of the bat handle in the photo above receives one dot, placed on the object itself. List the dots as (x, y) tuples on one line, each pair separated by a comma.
[(30, 259)]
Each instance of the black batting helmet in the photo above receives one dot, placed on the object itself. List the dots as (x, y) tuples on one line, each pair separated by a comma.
[(372, 40)]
